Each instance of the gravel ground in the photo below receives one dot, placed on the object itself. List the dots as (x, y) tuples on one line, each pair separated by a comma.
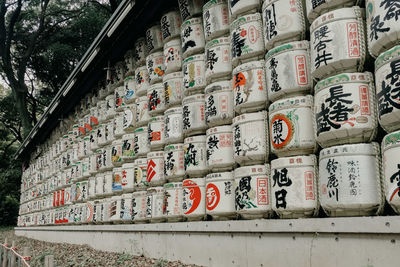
[(81, 255)]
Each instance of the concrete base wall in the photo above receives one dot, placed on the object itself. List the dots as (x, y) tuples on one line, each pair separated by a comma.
[(364, 242)]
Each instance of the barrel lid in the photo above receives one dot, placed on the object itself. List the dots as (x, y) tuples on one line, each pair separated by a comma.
[(128, 165), (157, 189), (252, 170), (218, 86), (99, 150), (154, 55), (157, 118), (219, 129), (195, 139), (141, 68), (155, 154), (344, 78), (193, 98), (140, 161), (173, 75), (224, 40), (139, 193), (219, 176), (141, 129), (118, 169), (295, 161), (173, 185), (292, 102), (140, 40), (194, 182), (128, 136), (387, 56), (352, 149), (126, 195), (142, 98), (338, 14), (299, 45), (174, 110), (117, 142), (213, 3), (116, 197), (258, 64), (156, 86), (247, 117), (245, 19), (173, 42), (197, 57), (191, 21), (173, 147), (391, 140)]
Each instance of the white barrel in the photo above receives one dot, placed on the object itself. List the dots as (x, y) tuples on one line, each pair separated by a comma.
[(317, 8), (140, 177), (142, 80), (155, 204), (94, 121), (139, 206), (250, 138), (284, 21), (194, 199), (102, 107), (174, 169), (107, 158), (288, 70), (216, 19), (391, 169), (155, 66), (173, 87), (141, 142), (128, 147), (142, 111), (117, 181), (173, 202), (156, 132), (99, 160), (129, 89), (110, 108), (140, 52), (119, 94), (195, 159), (173, 121), (109, 132), (293, 186), (128, 177), (97, 211), (218, 59), (91, 141), (387, 83), (342, 28), (190, 8), (129, 118), (192, 37), (345, 109), (99, 185), (115, 209), (252, 191), (116, 152), (171, 23), (173, 56), (250, 87), (100, 136), (220, 195), (291, 127), (241, 7), (155, 168), (349, 180), (81, 191), (126, 208), (108, 183), (220, 148), (156, 99), (85, 167), (193, 115), (194, 77), (154, 39), (219, 103), (247, 39), (119, 124)]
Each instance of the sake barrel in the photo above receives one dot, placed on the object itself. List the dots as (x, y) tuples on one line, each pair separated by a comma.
[(102, 107), (129, 118), (291, 126), (193, 115), (293, 189), (128, 177), (349, 180), (288, 70), (190, 8), (192, 37), (140, 177), (118, 124), (119, 98), (155, 207), (92, 187), (115, 209), (141, 142), (156, 99), (390, 169), (155, 67), (110, 108), (218, 59), (126, 208), (242, 7), (342, 28), (108, 183), (116, 152), (117, 181), (220, 148), (173, 130), (345, 109), (171, 22), (109, 132), (252, 192), (195, 158), (154, 39), (172, 56), (142, 111), (219, 103), (99, 185), (155, 168), (194, 79), (194, 199), (81, 193), (129, 89), (317, 8), (250, 87), (387, 81), (142, 80), (174, 169), (220, 195), (173, 202), (173, 87), (250, 138), (140, 52), (129, 59), (139, 207), (247, 41), (156, 132), (106, 158), (216, 19)]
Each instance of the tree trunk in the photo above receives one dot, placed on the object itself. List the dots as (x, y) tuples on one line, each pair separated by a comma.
[(22, 106)]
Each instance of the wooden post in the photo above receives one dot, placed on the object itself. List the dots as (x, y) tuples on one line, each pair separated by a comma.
[(5, 254), (13, 260), (49, 261)]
